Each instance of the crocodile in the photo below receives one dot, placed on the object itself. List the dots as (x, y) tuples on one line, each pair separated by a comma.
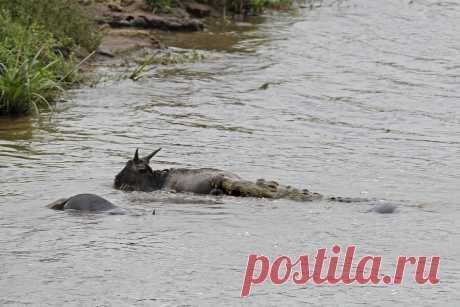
[(137, 175)]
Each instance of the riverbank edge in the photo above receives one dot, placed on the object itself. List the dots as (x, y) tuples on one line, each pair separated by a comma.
[(126, 26)]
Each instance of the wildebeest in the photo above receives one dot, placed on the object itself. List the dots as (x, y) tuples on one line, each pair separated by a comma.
[(137, 175)]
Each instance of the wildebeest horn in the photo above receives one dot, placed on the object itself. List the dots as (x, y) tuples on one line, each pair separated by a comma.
[(136, 155), (147, 158)]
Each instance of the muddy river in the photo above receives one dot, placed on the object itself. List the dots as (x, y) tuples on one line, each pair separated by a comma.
[(359, 99)]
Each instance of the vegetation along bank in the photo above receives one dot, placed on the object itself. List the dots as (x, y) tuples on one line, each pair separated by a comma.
[(43, 43)]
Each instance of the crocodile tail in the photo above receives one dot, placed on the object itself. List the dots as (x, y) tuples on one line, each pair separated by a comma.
[(348, 199)]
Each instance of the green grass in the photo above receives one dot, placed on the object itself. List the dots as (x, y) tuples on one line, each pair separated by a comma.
[(160, 5), (26, 86), (246, 7), (65, 19), (148, 61), (241, 7), (37, 52)]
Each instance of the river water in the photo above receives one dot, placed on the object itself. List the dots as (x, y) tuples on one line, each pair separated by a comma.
[(357, 99)]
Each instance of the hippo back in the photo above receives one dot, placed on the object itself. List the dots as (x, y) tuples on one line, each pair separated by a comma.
[(88, 202)]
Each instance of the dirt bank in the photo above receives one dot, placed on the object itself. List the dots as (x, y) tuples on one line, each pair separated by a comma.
[(125, 24)]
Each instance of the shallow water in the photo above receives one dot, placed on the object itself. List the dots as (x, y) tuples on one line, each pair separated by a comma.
[(359, 99)]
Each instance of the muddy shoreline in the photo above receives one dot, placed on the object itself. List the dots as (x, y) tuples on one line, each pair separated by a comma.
[(126, 25)]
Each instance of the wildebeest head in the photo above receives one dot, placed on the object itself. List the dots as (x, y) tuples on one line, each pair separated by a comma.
[(137, 175)]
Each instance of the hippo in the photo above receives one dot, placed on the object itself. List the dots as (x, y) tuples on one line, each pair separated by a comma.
[(86, 203), (137, 175)]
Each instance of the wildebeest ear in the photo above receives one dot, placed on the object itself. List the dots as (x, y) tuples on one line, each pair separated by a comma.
[(147, 158), (136, 155)]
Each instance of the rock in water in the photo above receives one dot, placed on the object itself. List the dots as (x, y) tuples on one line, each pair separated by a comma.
[(384, 208)]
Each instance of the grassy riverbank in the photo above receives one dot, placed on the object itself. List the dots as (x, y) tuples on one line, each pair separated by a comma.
[(40, 45), (239, 7), (42, 41)]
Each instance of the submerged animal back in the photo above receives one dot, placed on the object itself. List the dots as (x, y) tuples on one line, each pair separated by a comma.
[(88, 202)]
